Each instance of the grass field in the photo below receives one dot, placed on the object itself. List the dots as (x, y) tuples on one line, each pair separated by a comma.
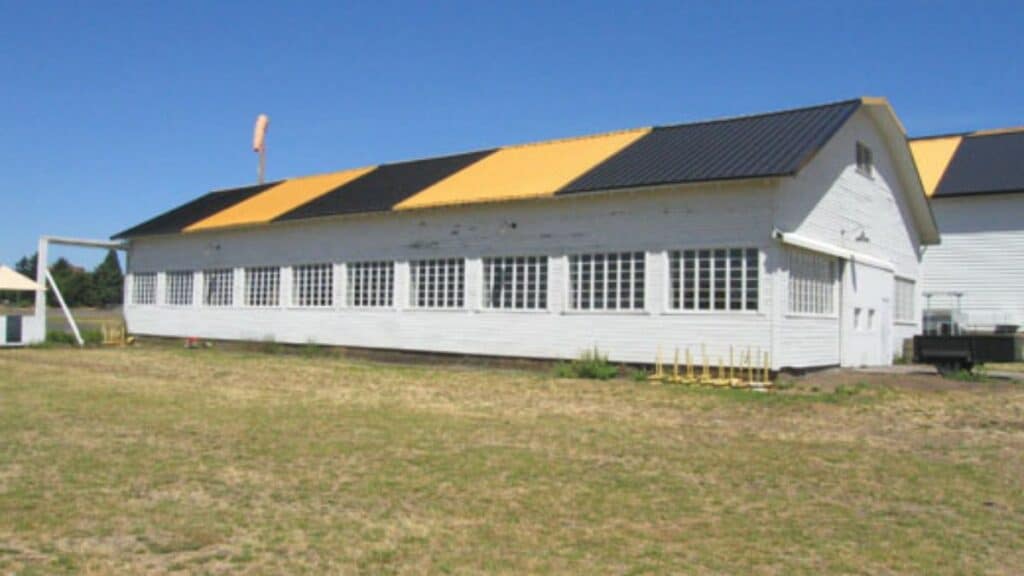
[(161, 460)]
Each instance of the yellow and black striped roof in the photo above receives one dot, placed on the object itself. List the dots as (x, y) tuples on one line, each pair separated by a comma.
[(983, 162), (765, 145)]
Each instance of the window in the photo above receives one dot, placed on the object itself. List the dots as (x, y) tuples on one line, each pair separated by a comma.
[(371, 284), (871, 319), (714, 279), (856, 319), (812, 282), (519, 283), (218, 287), (179, 289), (865, 160), (313, 285), (262, 286), (144, 288), (612, 281), (904, 300), (438, 283)]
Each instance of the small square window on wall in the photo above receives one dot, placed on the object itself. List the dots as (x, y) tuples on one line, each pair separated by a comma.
[(144, 288), (438, 283), (218, 287), (865, 160), (179, 289), (371, 284), (613, 281), (313, 286), (262, 287), (518, 283), (714, 279), (812, 283), (904, 300)]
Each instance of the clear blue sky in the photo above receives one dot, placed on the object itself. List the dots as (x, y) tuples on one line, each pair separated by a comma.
[(112, 113)]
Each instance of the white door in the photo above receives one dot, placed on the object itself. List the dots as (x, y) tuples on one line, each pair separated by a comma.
[(865, 318)]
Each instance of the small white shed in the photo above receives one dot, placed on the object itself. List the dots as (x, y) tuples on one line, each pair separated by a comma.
[(11, 324)]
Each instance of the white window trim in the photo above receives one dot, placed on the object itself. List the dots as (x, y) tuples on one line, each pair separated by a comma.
[(153, 276), (837, 283), (293, 296), (245, 287), (411, 300), (231, 274), (482, 298), (667, 309), (347, 287), (167, 288), (567, 308)]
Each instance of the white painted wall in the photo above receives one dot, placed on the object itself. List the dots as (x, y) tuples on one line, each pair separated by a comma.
[(981, 255), (854, 203), (652, 221)]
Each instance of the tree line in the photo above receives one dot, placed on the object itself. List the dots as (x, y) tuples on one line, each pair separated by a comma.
[(102, 286)]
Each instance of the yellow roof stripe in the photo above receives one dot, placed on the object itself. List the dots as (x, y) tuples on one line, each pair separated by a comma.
[(278, 199), (527, 171), (932, 157)]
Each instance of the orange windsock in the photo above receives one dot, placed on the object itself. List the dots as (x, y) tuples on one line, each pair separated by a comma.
[(259, 133)]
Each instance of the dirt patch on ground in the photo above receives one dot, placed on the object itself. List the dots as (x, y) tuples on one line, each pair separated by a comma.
[(923, 380)]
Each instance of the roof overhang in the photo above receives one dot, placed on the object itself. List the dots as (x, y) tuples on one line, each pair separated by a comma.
[(885, 119), (11, 281), (820, 247)]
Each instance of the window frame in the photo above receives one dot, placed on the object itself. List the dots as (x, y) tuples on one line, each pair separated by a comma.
[(208, 273), (682, 310), (258, 272), (542, 283), (836, 269), (567, 296), (865, 160), (332, 287), (896, 308), (348, 298), (461, 296), (168, 292), (150, 276)]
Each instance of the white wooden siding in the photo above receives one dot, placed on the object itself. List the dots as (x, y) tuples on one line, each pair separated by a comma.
[(854, 203), (981, 255), (652, 221)]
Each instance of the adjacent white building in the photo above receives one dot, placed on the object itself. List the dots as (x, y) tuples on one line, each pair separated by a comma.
[(976, 185), (796, 233)]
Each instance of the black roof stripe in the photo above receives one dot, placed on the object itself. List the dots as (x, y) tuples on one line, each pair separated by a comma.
[(177, 219), (773, 144), (985, 164), (381, 189)]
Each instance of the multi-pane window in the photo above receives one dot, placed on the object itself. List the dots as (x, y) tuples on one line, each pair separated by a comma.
[(313, 285), (438, 283), (519, 282), (371, 284), (179, 289), (144, 288), (812, 283), (865, 159), (613, 281), (262, 286), (218, 287), (714, 279), (904, 309)]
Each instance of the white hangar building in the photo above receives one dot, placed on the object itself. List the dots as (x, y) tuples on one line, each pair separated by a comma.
[(798, 233), (976, 185)]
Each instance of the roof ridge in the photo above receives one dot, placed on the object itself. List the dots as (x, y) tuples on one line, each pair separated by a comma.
[(762, 114), (998, 131)]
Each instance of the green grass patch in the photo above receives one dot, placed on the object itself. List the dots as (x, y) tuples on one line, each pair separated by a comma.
[(160, 459)]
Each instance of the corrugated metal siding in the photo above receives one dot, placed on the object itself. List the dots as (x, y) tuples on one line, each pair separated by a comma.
[(985, 163), (748, 147)]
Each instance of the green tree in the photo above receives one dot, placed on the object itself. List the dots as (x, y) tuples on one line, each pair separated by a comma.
[(75, 284), (108, 281)]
